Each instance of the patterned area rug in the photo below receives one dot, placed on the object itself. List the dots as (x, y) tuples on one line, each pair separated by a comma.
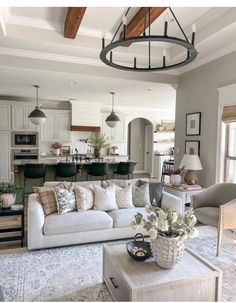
[(75, 273)]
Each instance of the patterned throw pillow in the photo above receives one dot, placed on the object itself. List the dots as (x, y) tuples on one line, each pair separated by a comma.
[(124, 197), (84, 197), (46, 196), (105, 198), (65, 200), (141, 195)]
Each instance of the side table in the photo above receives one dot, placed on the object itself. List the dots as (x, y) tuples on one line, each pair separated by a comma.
[(184, 194), (7, 212)]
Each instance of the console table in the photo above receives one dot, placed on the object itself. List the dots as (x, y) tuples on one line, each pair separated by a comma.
[(8, 212), (193, 279), (184, 194)]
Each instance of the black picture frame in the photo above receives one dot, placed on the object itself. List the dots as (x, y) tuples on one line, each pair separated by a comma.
[(193, 124), (190, 146)]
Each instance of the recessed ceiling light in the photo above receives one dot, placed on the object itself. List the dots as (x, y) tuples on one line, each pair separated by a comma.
[(73, 83), (149, 89)]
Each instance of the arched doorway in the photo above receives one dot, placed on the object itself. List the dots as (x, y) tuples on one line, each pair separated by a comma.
[(140, 144)]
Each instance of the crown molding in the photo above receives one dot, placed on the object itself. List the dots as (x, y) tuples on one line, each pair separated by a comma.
[(49, 56)]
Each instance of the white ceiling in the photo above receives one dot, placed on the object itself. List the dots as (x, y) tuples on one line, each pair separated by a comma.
[(34, 51)]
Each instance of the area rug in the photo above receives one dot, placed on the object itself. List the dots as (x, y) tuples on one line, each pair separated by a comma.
[(75, 273)]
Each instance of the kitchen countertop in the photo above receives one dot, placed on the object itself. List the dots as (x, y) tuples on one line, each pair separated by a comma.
[(70, 156), (56, 161)]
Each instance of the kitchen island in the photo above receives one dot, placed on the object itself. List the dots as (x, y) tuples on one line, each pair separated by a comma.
[(50, 164)]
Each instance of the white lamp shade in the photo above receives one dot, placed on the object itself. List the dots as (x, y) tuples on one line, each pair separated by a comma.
[(191, 162)]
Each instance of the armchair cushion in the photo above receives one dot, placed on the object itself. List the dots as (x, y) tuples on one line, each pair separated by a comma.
[(207, 215)]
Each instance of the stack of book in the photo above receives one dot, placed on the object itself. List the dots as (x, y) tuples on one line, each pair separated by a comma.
[(191, 187)]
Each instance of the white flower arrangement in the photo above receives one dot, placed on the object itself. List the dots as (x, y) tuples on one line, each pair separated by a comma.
[(166, 223)]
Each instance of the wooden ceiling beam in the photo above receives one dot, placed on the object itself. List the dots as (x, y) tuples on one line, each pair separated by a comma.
[(73, 19), (135, 27)]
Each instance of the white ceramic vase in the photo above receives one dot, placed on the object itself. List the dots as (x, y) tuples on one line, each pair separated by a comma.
[(167, 252), (7, 200), (175, 180)]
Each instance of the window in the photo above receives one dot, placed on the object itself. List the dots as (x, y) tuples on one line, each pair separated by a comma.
[(230, 153)]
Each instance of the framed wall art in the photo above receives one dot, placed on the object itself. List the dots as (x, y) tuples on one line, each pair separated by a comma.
[(192, 147), (193, 124)]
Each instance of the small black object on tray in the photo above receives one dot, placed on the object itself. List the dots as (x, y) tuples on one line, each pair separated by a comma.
[(139, 250)]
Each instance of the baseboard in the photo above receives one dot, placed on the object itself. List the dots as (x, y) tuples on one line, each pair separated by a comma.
[(141, 171)]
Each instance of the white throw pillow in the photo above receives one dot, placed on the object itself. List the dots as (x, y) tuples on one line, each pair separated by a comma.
[(84, 197), (124, 197), (105, 198)]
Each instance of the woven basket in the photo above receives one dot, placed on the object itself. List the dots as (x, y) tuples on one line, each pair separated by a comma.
[(167, 252)]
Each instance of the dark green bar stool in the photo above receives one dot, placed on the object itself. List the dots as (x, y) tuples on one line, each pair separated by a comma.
[(124, 169), (66, 170), (97, 169)]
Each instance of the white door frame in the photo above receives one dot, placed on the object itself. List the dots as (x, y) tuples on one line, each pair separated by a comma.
[(148, 148)]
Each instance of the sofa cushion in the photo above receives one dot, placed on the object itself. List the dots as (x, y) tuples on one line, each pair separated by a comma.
[(118, 182), (47, 198), (141, 195), (207, 215), (52, 184), (125, 217), (124, 197), (65, 200), (105, 198), (77, 222), (155, 192), (84, 197)]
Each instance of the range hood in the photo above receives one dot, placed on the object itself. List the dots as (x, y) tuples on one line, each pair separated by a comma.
[(80, 128), (85, 116)]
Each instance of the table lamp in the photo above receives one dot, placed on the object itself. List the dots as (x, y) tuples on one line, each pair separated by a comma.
[(191, 163)]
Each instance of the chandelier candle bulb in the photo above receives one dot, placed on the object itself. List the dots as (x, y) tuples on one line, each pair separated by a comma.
[(194, 28), (124, 20)]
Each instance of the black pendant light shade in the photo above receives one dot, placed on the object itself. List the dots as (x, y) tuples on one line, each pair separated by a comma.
[(112, 120), (37, 116)]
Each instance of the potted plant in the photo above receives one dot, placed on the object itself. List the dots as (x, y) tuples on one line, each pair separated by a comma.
[(97, 141), (8, 192), (56, 148), (167, 232)]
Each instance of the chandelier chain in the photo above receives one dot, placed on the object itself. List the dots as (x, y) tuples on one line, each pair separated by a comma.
[(176, 20), (118, 28)]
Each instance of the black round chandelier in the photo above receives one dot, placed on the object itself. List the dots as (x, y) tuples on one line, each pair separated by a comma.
[(106, 54)]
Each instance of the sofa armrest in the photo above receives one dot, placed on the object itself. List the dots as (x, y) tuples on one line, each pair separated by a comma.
[(173, 203), (36, 219), (228, 214)]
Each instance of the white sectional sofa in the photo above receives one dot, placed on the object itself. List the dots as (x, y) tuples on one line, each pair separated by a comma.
[(84, 226)]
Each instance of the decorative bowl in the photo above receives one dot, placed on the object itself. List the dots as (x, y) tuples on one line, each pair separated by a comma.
[(139, 250)]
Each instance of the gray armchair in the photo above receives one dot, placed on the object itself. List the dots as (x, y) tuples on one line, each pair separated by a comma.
[(216, 206)]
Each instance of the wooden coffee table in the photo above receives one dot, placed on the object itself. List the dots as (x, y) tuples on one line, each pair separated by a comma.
[(193, 279)]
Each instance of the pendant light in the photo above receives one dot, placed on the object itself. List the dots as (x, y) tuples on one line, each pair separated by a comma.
[(37, 116), (112, 119)]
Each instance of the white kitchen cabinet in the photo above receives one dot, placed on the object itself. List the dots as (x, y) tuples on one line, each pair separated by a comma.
[(117, 134), (5, 117), (20, 120), (56, 127), (5, 172)]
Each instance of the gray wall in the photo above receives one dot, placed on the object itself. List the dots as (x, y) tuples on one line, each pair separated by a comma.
[(198, 92)]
